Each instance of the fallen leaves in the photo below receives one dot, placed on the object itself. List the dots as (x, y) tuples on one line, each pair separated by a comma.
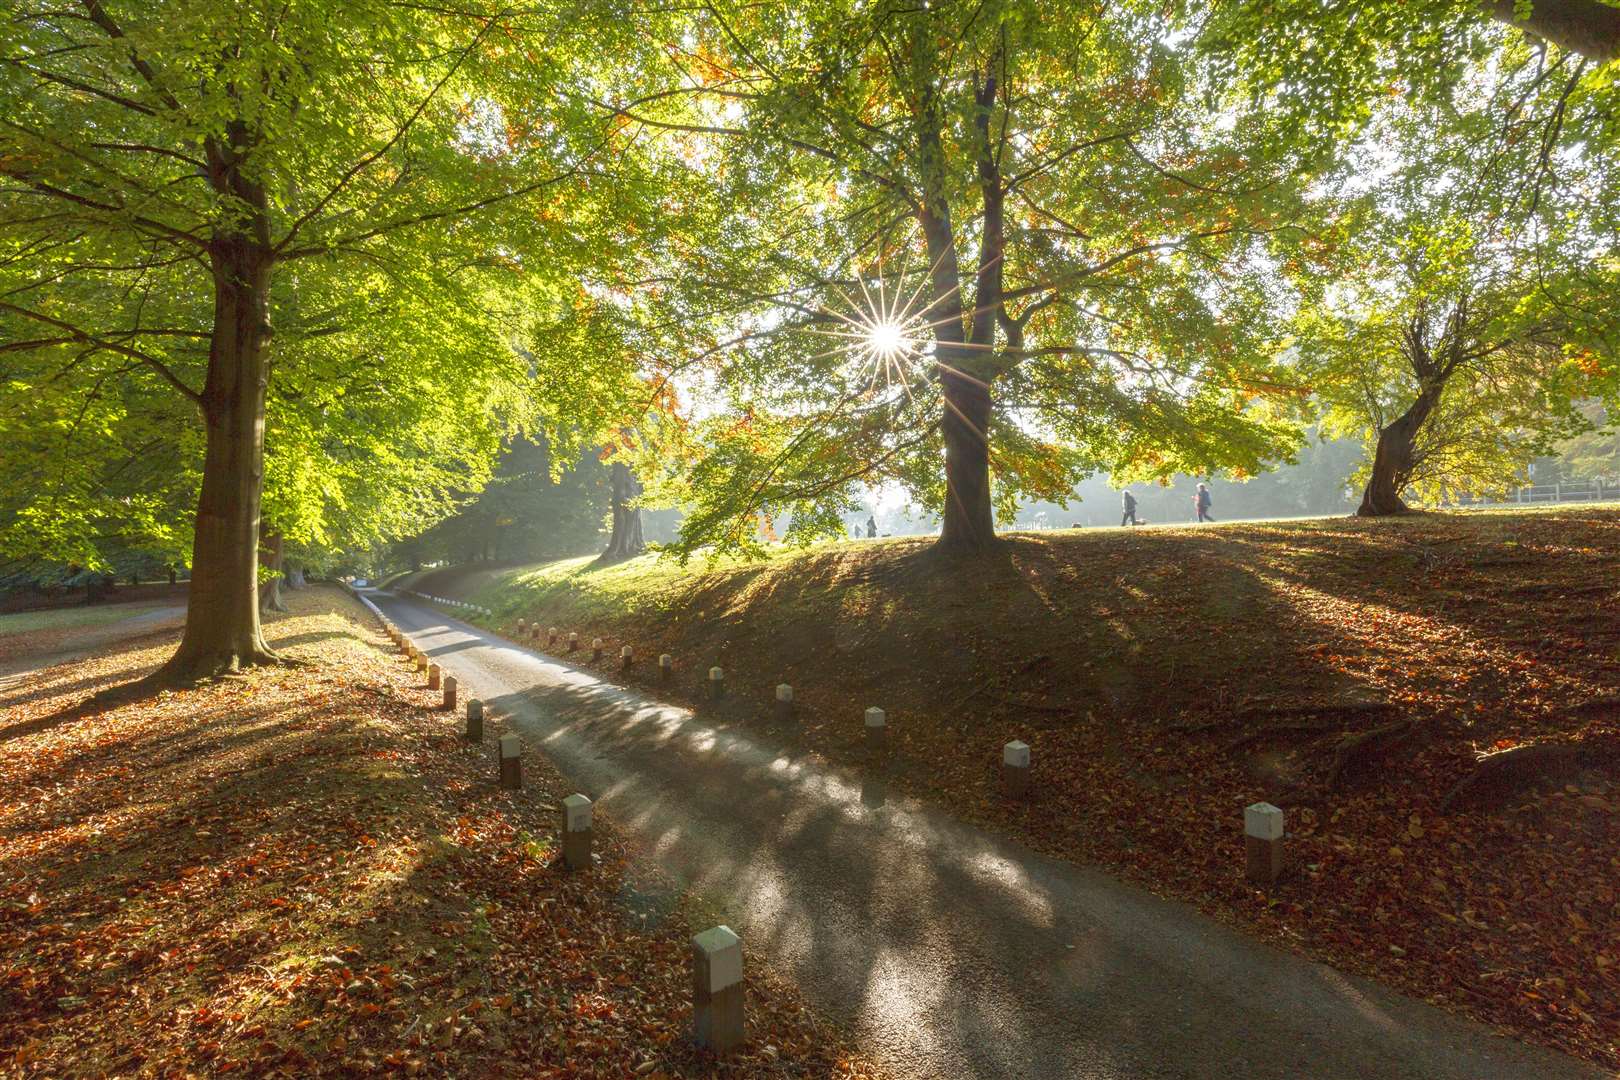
[(305, 871), (1157, 648)]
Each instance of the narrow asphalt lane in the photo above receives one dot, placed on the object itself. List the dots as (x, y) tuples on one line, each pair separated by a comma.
[(951, 952)]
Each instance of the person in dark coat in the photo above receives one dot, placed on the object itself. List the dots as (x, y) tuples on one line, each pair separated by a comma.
[(1201, 502), (1128, 502)]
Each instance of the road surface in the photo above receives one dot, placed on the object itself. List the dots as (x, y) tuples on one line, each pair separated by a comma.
[(951, 952)]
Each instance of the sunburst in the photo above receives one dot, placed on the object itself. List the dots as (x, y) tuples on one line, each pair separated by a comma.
[(883, 332)]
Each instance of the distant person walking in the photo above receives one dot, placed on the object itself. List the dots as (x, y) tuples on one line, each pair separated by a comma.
[(1201, 502), (871, 528), (1128, 501)]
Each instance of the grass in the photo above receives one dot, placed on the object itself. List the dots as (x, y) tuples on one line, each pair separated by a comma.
[(306, 871), (1167, 677), (25, 622)]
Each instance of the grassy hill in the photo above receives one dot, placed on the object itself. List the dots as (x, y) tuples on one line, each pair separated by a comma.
[(1351, 671)]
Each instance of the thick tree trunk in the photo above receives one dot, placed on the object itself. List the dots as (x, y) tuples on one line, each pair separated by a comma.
[(1588, 27), (626, 541), (969, 524), (1392, 460), (295, 578), (222, 613), (270, 554)]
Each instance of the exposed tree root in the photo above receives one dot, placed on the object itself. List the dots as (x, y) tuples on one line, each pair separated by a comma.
[(1499, 776), (1250, 737), (1355, 751), (185, 671)]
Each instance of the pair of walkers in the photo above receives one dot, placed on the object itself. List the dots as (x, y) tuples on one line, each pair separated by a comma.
[(1201, 503)]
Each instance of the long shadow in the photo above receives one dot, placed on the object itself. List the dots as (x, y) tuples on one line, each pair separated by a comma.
[(970, 954)]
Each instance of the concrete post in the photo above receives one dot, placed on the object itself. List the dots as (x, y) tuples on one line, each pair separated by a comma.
[(475, 721), (450, 693), (717, 684), (596, 650), (433, 676), (576, 832), (522, 626), (717, 990), (784, 702), (624, 658), (1263, 834), (877, 729), (511, 761), (421, 661), (534, 631), (573, 640), (666, 667), (1015, 769), (551, 636)]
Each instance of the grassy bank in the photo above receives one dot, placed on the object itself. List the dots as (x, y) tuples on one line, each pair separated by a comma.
[(1167, 677), (305, 871)]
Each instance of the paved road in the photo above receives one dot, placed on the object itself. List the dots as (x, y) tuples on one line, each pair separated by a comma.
[(951, 952)]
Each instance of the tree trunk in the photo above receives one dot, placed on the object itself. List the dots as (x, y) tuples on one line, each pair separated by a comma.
[(1392, 460), (295, 578), (270, 554), (626, 541), (969, 524), (222, 613), (1588, 27)]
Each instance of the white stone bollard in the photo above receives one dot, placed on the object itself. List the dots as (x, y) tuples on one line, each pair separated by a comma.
[(511, 761), (1015, 769), (784, 702), (522, 626), (433, 676), (450, 693), (717, 990), (877, 729), (573, 640), (475, 721), (576, 843), (596, 650), (625, 655), (1263, 835), (717, 684), (666, 667), (551, 636)]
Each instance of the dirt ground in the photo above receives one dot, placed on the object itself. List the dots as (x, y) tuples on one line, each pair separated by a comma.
[(307, 871), (1165, 678)]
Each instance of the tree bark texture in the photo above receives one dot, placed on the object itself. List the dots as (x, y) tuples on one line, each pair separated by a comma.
[(626, 540), (222, 613), (270, 554), (1588, 27), (1393, 459)]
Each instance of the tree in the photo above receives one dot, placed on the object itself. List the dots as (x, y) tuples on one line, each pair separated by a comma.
[(170, 165), (625, 541), (1036, 221), (1463, 315)]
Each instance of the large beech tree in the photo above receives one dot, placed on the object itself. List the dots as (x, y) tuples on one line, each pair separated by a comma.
[(1056, 195), (158, 157)]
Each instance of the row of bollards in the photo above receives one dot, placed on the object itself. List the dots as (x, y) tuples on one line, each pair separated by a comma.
[(1263, 823), (718, 988), (447, 602), (718, 1015), (576, 809)]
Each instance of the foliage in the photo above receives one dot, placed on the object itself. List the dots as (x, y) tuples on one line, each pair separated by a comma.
[(527, 511), (355, 207), (1466, 279), (1056, 193)]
